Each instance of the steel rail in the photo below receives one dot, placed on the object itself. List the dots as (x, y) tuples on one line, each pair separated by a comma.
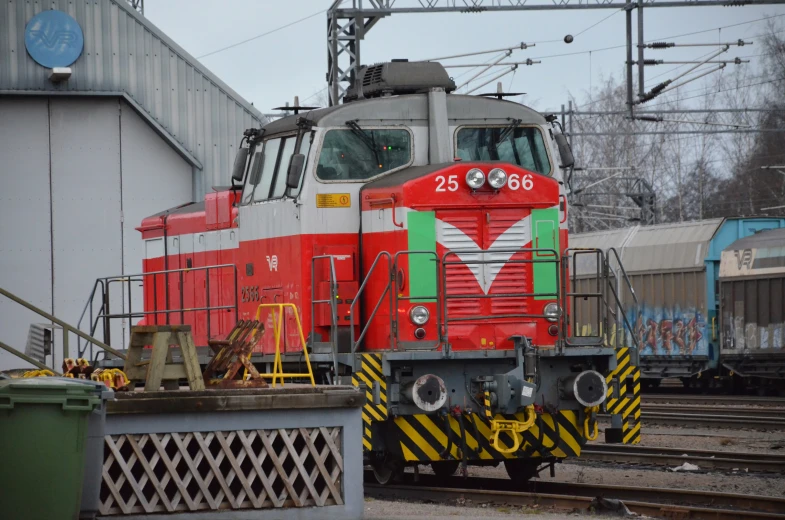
[(704, 459), (654, 502), (764, 413), (714, 400), (714, 420)]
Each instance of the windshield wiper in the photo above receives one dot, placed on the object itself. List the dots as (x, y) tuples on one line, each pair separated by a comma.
[(508, 129), (365, 136)]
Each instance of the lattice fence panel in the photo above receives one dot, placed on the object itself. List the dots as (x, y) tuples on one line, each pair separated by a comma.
[(210, 471)]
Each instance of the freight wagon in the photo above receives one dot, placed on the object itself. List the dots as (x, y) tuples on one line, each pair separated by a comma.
[(674, 270), (752, 316)]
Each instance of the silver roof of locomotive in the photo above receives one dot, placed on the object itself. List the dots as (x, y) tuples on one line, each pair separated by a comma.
[(410, 110)]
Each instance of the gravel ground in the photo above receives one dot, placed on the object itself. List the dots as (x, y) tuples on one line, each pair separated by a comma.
[(394, 510)]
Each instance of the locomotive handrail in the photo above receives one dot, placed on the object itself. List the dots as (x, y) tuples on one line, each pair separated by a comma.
[(616, 296), (552, 258), (624, 316), (599, 294), (387, 290), (333, 307), (105, 314), (624, 273), (397, 297), (605, 293)]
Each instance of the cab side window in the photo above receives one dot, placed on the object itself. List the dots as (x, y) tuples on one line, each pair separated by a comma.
[(283, 167), (305, 148), (262, 190)]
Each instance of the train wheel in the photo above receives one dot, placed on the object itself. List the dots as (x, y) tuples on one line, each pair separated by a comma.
[(387, 472), (446, 468), (521, 470)]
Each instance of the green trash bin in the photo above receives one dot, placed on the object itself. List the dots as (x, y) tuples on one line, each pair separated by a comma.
[(43, 434)]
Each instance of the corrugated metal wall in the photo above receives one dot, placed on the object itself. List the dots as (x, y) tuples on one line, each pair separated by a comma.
[(125, 53), (78, 175)]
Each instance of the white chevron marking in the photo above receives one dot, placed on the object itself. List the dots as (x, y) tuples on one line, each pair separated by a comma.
[(513, 239)]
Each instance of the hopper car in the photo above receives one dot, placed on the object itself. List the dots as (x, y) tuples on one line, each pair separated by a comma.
[(675, 270)]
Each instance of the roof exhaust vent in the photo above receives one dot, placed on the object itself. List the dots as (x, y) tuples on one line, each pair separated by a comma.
[(399, 77)]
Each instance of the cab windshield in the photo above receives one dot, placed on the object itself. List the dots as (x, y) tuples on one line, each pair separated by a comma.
[(363, 153), (523, 146)]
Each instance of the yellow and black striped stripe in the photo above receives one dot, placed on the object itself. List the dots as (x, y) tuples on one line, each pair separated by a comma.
[(487, 405), (626, 377), (370, 372), (424, 438)]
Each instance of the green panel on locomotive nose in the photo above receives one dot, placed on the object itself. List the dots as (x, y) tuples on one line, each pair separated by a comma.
[(545, 230)]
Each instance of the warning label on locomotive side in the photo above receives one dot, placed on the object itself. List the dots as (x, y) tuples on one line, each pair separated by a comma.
[(333, 200)]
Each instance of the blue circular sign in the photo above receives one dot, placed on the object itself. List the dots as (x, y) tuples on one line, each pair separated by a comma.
[(54, 39)]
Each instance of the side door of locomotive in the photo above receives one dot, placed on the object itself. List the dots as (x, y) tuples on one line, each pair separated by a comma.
[(270, 258)]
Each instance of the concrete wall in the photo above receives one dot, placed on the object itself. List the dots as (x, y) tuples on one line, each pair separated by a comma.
[(77, 175)]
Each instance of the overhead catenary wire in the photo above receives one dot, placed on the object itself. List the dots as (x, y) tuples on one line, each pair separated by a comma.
[(262, 35)]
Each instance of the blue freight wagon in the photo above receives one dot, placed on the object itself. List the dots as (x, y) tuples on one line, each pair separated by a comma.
[(674, 270)]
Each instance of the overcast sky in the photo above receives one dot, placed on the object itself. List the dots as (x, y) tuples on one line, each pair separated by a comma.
[(271, 70)]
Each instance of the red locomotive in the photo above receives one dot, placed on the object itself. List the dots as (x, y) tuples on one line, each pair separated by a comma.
[(421, 237)]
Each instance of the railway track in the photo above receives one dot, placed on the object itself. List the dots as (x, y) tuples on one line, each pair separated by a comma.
[(714, 400), (654, 502), (712, 418), (704, 459), (731, 417)]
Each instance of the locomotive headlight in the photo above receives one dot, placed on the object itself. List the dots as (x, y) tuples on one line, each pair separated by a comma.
[(497, 178), (419, 315), (475, 178), (551, 312)]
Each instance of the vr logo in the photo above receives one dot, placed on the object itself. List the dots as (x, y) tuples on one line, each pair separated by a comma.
[(743, 258), (272, 262), (58, 37)]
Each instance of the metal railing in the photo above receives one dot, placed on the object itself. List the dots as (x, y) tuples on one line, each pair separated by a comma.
[(446, 296), (388, 292), (570, 294), (394, 331), (602, 288), (66, 330), (331, 301), (102, 288), (565, 293), (619, 303)]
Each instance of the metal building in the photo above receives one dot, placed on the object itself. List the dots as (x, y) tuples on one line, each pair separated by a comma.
[(103, 121)]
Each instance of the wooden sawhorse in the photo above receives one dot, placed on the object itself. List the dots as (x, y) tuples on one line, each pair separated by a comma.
[(160, 368)]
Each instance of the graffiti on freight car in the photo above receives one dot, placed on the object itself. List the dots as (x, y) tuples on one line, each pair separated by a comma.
[(670, 332), (738, 335)]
